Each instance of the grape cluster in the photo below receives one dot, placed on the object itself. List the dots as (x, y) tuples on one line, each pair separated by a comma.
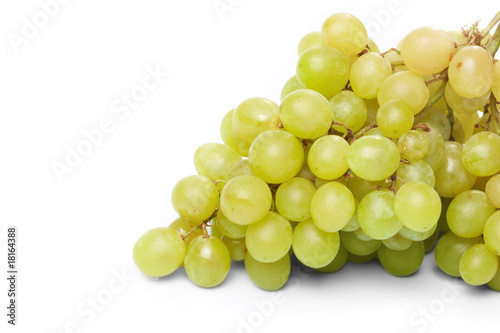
[(369, 155)]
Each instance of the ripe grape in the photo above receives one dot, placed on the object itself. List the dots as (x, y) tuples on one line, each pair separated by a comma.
[(397, 242), (481, 154), (254, 116), (376, 215), (407, 87), (345, 32), (394, 118), (183, 227), (228, 228), (404, 262), (438, 120), (348, 109), (491, 233), (418, 171), (337, 263), (367, 74), (214, 160), (327, 157), (413, 145), (195, 198), (332, 207), (268, 276), (229, 138), (312, 39), (478, 265), (291, 85), (293, 199), (492, 191), (449, 250), (357, 246), (462, 104)]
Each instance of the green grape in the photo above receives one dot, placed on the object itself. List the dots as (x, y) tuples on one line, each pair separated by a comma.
[(481, 182), (229, 138), (495, 86), (360, 234), (438, 120), (214, 230), (237, 247), (478, 265), (314, 247), (468, 213), (468, 121), (245, 200), (305, 172), (254, 116), (214, 160), (481, 154), (293, 199), (195, 198), (397, 242), (207, 261), (312, 39), (465, 105), (417, 206), (358, 247), (345, 32), (452, 178), (443, 222), (373, 158), (291, 85), (486, 123), (323, 69), (402, 263), (394, 118), (427, 50), (417, 235), (361, 259), (269, 239), (492, 233), (413, 145), (461, 38), (332, 207), (367, 74), (436, 154), (337, 263), (183, 227), (159, 252), (376, 215), (348, 109), (431, 241), (306, 114), (327, 158), (407, 87), (458, 131), (371, 114), (492, 191), (449, 250), (372, 46), (276, 156), (495, 282), (471, 72), (268, 276), (228, 228), (361, 187), (418, 171), (353, 222), (241, 168)]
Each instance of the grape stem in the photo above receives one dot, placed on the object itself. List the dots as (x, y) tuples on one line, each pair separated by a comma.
[(437, 77), (494, 42), (203, 225), (451, 119), (390, 50), (349, 131), (492, 23), (494, 115), (364, 130), (423, 127)]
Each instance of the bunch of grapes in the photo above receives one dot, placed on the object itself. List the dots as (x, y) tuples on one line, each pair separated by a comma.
[(369, 155)]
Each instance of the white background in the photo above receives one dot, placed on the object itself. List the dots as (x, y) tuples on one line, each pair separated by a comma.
[(77, 234)]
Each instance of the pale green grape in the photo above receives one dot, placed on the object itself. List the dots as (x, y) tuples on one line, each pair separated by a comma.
[(468, 121), (373, 158), (353, 222), (214, 230), (431, 241), (228, 228), (357, 246), (417, 206), (245, 200), (237, 247), (495, 282), (449, 250), (183, 227), (418, 171), (394, 118), (314, 247), (327, 158), (293, 199), (345, 32), (478, 265), (361, 259), (337, 263), (291, 85), (361, 187), (458, 131), (269, 239), (427, 50), (492, 191), (468, 213), (407, 87), (417, 235), (268, 276), (465, 105), (348, 109), (438, 120), (367, 74), (276, 156), (481, 154), (241, 168), (452, 178), (481, 182), (229, 138), (495, 86), (323, 69), (312, 39), (306, 114), (397, 242), (195, 198), (159, 252), (332, 207), (471, 72), (371, 114), (360, 234), (207, 261), (492, 233), (376, 215), (413, 145), (404, 262), (254, 116), (214, 160), (305, 172), (436, 154)]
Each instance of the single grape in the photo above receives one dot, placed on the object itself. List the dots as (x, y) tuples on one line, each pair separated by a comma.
[(495, 282), (337, 263), (269, 239), (268, 276), (207, 261), (360, 234), (438, 120), (276, 156), (293, 199), (404, 262), (407, 87), (371, 114), (462, 104), (159, 252), (417, 236), (492, 191), (214, 160), (237, 247), (228, 228), (214, 230), (443, 223), (358, 247), (241, 168), (481, 154), (376, 215), (492, 233), (291, 85), (348, 109), (229, 138), (345, 32), (431, 241), (361, 187), (254, 116), (449, 250), (312, 39), (327, 158), (394, 118), (478, 265), (332, 207), (195, 198), (436, 154), (353, 222), (418, 171), (367, 74), (413, 145), (397, 242), (245, 200), (458, 131), (183, 227)]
